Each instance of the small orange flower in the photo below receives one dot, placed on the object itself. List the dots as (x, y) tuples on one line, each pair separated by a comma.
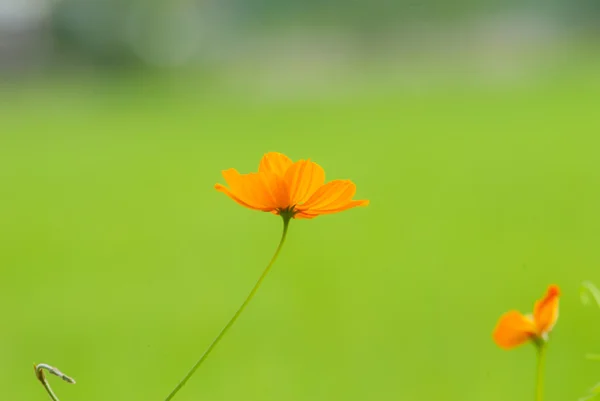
[(514, 328), (294, 189)]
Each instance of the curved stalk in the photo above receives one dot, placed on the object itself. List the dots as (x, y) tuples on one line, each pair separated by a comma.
[(286, 220), (39, 373)]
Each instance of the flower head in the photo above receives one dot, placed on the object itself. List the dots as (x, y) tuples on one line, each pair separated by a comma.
[(295, 189), (514, 328)]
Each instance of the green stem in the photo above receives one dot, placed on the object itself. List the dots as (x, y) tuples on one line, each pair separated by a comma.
[(286, 220), (541, 357), (49, 390)]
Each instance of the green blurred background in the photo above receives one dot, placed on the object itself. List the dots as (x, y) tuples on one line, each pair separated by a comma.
[(472, 128)]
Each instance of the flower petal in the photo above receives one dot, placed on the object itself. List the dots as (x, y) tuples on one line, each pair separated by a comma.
[(303, 178), (226, 191), (314, 213), (545, 311), (513, 329), (254, 190), (274, 162), (277, 188), (333, 197), (303, 215)]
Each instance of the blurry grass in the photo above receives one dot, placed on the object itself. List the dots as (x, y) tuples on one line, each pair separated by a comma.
[(588, 293), (120, 262)]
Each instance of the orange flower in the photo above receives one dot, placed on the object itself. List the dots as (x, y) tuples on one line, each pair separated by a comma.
[(293, 189), (514, 328)]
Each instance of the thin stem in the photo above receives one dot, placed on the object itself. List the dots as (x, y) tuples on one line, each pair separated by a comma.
[(286, 220), (49, 391), (541, 357)]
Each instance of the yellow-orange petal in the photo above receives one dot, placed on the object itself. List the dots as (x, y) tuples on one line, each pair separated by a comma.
[(255, 191), (333, 197), (303, 178), (274, 162), (226, 191), (278, 190), (310, 214), (545, 310), (304, 215), (333, 193), (513, 329)]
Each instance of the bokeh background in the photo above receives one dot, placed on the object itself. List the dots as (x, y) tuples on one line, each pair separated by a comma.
[(473, 127)]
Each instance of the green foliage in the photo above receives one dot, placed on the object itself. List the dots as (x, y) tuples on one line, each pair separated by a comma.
[(120, 262), (593, 395), (588, 293)]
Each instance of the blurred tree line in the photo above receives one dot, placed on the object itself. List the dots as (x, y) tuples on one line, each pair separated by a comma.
[(121, 32)]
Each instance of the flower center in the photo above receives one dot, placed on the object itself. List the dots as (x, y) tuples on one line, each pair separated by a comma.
[(288, 212)]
